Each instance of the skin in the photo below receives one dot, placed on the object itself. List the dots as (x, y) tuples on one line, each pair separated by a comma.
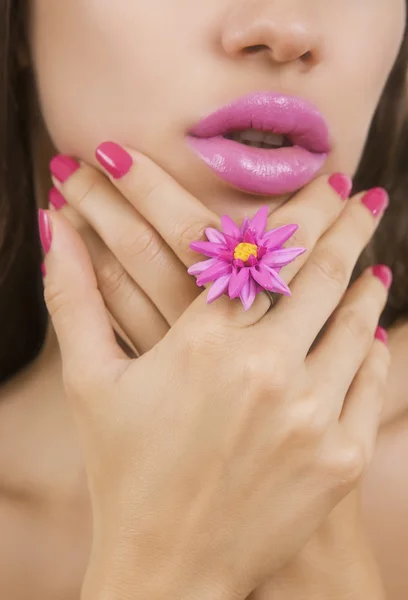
[(44, 501)]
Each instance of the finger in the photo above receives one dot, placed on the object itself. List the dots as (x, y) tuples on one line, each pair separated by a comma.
[(177, 215), (123, 297), (133, 241), (363, 406), (319, 286), (85, 335), (348, 338), (182, 219)]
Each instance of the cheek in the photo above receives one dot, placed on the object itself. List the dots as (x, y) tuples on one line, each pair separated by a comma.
[(96, 70), (363, 64)]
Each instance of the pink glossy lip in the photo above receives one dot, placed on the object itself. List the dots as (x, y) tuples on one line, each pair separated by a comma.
[(258, 170)]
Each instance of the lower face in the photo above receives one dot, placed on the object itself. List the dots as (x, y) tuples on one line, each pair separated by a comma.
[(144, 74)]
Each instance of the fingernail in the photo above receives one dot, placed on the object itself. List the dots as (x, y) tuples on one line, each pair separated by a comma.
[(44, 225), (114, 159), (56, 199), (62, 167), (376, 200), (341, 184), (382, 335), (43, 270), (384, 274)]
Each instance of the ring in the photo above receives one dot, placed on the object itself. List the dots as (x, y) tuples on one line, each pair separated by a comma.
[(245, 260), (273, 298)]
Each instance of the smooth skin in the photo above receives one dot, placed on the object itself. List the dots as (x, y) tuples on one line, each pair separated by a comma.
[(253, 410), (142, 73)]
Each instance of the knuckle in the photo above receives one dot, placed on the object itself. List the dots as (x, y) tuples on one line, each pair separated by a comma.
[(57, 301), (349, 464), (262, 379), (143, 245), (86, 184), (303, 238), (189, 231), (306, 421), (147, 187), (112, 278), (333, 268), (356, 325)]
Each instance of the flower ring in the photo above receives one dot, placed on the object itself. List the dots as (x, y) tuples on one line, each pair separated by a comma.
[(246, 260)]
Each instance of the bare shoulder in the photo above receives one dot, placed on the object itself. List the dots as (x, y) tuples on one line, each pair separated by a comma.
[(385, 488), (396, 405), (385, 498)]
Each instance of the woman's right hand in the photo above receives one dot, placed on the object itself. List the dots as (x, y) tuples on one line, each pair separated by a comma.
[(216, 455)]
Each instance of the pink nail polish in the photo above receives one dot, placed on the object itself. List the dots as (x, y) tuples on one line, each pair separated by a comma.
[(114, 159), (56, 198), (44, 225), (43, 270), (382, 335), (341, 184), (384, 274), (62, 167), (376, 200)]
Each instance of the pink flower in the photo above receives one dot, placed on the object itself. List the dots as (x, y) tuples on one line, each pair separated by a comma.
[(244, 260)]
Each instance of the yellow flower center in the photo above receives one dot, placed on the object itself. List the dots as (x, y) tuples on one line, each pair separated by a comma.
[(243, 251)]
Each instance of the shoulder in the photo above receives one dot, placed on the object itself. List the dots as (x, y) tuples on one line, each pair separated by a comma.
[(385, 488), (396, 404), (385, 502)]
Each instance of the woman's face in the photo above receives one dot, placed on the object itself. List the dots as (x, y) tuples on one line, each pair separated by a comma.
[(143, 73)]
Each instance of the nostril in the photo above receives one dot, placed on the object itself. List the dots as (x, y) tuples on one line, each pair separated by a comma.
[(257, 48)]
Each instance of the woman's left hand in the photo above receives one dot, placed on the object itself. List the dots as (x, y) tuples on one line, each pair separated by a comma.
[(336, 563)]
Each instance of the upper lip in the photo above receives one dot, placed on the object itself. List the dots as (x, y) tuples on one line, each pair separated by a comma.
[(291, 116)]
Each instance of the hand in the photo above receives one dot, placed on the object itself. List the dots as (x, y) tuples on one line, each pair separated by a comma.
[(336, 563), (305, 412)]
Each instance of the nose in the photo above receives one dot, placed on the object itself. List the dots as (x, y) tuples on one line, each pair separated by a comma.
[(281, 29)]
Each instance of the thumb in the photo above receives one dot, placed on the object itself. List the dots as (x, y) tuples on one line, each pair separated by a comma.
[(80, 318)]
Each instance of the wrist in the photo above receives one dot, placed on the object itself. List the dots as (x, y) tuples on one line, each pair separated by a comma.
[(154, 584)]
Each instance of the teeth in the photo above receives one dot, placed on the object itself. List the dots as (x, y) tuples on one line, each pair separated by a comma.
[(259, 139)]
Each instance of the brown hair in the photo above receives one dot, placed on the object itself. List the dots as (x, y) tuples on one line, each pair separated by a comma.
[(22, 309)]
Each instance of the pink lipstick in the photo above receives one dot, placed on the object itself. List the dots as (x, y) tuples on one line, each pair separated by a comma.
[(263, 143)]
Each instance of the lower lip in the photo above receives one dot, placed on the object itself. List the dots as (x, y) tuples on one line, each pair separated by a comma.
[(258, 170)]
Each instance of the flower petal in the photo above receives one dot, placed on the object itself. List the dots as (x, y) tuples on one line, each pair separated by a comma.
[(218, 288), (227, 255), (201, 266), (280, 235), (278, 284), (262, 276), (282, 257), (258, 223), (237, 282), (215, 272), (208, 248), (231, 242), (245, 225), (215, 236), (250, 237), (248, 294), (229, 227)]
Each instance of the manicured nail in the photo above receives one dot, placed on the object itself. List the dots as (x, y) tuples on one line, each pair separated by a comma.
[(114, 159), (341, 184), (56, 199), (43, 270), (384, 274), (376, 200), (382, 335), (62, 167), (44, 225)]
